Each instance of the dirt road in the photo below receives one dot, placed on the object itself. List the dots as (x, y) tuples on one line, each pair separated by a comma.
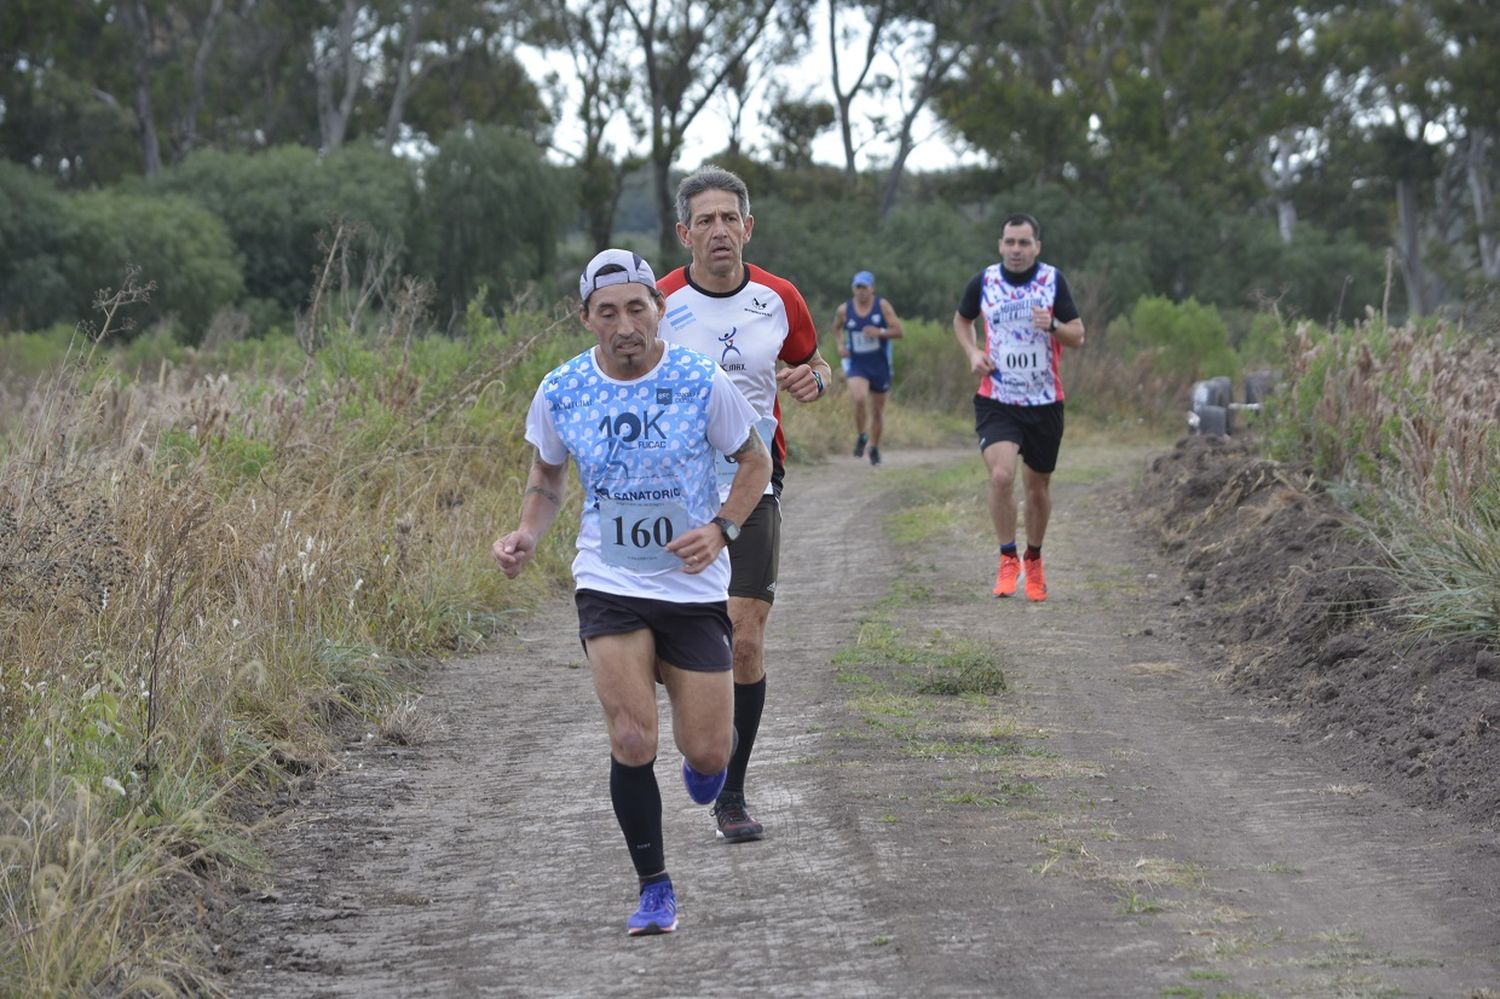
[(1113, 824)]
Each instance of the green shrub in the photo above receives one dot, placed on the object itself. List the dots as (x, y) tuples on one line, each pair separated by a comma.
[(1264, 345), (176, 243), (35, 233), (493, 209), (275, 204), (25, 357), (1185, 340)]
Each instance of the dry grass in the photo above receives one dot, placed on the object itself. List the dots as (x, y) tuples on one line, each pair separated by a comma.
[(1412, 409), (1411, 418), (201, 576)]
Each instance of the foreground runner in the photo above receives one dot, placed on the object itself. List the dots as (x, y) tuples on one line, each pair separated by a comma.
[(866, 325), (644, 421), (1029, 316), (747, 319)]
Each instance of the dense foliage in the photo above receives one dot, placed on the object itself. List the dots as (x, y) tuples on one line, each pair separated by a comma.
[(1239, 154)]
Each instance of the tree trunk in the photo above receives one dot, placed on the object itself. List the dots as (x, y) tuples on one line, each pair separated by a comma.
[(411, 33), (339, 59), (1286, 219), (1483, 199), (138, 23), (200, 76), (1409, 248), (1278, 174), (666, 210), (844, 99), (935, 66)]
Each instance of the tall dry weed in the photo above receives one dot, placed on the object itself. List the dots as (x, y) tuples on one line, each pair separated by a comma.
[(1410, 417), (201, 574)]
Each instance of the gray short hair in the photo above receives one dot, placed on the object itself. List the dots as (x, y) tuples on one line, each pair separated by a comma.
[(710, 178)]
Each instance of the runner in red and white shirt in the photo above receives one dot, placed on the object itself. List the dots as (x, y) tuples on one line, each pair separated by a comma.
[(748, 320), (1029, 317)]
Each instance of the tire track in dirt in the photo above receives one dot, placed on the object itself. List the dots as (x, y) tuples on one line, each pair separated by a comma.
[(488, 862)]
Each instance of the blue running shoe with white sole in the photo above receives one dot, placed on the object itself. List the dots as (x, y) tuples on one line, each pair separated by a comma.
[(657, 912), (703, 788)]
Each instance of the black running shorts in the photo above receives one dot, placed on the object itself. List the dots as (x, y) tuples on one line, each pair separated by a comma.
[(755, 557), (689, 636), (1037, 429)]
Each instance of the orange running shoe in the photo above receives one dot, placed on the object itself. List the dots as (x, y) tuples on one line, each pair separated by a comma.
[(1005, 579), (1036, 583)]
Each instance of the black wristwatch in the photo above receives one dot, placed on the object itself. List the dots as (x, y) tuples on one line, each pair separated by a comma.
[(1053, 327), (730, 529)]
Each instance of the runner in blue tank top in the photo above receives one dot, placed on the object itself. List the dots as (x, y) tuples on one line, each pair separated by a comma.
[(645, 422), (865, 325)]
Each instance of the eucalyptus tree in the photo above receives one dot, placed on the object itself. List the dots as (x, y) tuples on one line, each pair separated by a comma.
[(932, 36), (603, 72), (1473, 33), (866, 46), (445, 63), (685, 52), (1389, 62)]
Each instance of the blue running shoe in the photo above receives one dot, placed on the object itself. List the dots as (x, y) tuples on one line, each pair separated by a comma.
[(703, 788), (657, 913)]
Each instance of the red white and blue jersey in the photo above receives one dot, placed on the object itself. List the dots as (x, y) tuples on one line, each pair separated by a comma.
[(747, 331), (1026, 359)]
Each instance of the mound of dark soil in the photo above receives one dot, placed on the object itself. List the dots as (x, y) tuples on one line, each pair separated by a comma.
[(1284, 593)]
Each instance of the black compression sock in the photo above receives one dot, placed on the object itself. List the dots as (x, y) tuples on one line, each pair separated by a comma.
[(1033, 551), (749, 702), (637, 800)]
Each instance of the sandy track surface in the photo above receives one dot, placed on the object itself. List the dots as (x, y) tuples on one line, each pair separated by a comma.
[(1115, 824)]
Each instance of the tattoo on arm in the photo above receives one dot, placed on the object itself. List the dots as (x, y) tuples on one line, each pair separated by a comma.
[(544, 493), (751, 446)]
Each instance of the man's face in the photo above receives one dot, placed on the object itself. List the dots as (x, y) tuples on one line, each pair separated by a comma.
[(1019, 247), (716, 232), (863, 295), (623, 319)]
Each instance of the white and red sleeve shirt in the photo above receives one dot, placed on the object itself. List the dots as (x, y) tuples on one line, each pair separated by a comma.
[(747, 331)]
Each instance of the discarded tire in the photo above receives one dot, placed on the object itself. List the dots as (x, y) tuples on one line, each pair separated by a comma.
[(1221, 390), (1258, 385), (1213, 420)]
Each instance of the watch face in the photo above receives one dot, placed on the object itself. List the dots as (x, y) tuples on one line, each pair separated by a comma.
[(730, 528)]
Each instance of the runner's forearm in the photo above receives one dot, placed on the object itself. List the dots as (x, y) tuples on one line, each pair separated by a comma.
[(1070, 333), (963, 332), (542, 498)]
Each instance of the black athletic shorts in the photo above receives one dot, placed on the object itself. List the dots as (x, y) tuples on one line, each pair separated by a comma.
[(1037, 429), (755, 556), (689, 636)]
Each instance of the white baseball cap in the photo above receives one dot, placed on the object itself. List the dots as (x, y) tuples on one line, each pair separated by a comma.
[(614, 266)]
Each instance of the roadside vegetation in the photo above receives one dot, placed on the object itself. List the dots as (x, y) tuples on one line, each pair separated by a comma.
[(210, 564), (1406, 422)]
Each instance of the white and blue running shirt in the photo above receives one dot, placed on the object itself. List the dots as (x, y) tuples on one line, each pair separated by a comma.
[(645, 452)]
